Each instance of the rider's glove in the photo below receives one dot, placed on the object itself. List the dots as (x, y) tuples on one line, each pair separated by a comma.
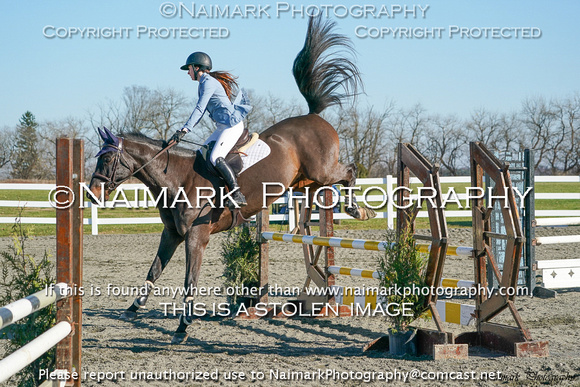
[(178, 135)]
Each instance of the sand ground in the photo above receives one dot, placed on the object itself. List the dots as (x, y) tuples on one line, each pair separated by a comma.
[(268, 352)]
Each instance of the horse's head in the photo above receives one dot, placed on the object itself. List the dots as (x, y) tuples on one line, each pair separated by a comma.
[(113, 166)]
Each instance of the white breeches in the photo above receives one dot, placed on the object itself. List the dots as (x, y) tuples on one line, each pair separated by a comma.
[(225, 138)]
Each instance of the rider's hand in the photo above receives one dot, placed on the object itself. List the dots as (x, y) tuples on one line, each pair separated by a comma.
[(178, 135)]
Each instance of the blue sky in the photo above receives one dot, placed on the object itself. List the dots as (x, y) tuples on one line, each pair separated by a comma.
[(59, 77)]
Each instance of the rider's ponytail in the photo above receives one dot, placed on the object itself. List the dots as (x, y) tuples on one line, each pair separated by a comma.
[(227, 80)]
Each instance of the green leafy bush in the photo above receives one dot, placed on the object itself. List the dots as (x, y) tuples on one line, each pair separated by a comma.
[(402, 266), (23, 275), (240, 256)]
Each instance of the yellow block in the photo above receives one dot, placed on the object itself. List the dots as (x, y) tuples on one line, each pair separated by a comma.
[(449, 283), (453, 313), (348, 296), (371, 298)]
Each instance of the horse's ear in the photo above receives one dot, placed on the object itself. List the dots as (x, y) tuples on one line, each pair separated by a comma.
[(111, 138), (102, 134)]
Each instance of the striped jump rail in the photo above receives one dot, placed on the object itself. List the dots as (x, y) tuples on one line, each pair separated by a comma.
[(451, 312), (358, 244), (445, 282), (28, 305)]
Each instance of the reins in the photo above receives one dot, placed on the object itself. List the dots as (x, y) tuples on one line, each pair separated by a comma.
[(111, 183)]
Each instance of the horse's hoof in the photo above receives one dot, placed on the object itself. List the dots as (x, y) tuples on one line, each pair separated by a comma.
[(361, 213), (179, 337), (367, 213), (128, 315)]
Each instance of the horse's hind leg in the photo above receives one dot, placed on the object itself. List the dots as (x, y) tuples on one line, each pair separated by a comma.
[(351, 206), (169, 242)]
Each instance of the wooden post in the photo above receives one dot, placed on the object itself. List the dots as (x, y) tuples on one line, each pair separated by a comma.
[(403, 178), (262, 222), (69, 234), (327, 230)]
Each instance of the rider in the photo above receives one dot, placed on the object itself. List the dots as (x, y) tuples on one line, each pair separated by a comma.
[(215, 93)]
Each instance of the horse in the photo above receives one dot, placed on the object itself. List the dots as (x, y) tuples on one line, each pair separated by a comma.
[(304, 150)]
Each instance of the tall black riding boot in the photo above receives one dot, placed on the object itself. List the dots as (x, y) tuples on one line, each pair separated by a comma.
[(230, 178)]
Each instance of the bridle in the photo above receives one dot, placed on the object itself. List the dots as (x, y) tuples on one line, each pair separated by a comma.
[(110, 181)]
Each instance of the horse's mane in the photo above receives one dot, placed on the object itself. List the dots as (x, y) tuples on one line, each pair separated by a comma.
[(158, 144), (323, 67)]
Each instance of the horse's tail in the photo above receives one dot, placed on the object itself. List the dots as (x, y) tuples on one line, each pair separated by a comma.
[(324, 78)]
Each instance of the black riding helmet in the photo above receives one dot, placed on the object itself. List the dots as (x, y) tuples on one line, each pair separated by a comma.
[(198, 58)]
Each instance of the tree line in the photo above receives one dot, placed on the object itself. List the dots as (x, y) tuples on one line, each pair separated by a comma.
[(368, 134)]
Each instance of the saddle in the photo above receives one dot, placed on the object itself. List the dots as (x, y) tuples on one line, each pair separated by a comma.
[(233, 158)]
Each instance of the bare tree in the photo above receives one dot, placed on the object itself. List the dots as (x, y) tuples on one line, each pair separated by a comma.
[(539, 121), (166, 113), (363, 138), (137, 102), (7, 137), (277, 109), (408, 125), (368, 135), (269, 110), (446, 143), (510, 133), (109, 114), (564, 157), (153, 112), (404, 125), (484, 126), (72, 127)]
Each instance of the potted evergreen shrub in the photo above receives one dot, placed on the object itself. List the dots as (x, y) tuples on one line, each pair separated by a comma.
[(240, 257), (401, 267)]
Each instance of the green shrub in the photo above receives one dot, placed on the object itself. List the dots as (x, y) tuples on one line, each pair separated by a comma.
[(22, 275), (240, 256), (403, 266)]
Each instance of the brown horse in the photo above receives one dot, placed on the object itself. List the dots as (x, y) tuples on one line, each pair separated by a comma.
[(303, 149)]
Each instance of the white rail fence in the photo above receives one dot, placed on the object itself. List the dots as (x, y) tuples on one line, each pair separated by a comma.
[(387, 211)]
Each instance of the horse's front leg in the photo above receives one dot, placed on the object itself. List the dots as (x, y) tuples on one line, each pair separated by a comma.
[(170, 239), (196, 241)]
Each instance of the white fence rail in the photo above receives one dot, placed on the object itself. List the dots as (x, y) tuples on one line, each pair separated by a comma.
[(17, 310), (387, 184)]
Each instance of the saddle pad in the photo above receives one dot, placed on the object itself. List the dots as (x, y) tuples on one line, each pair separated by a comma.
[(255, 153)]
